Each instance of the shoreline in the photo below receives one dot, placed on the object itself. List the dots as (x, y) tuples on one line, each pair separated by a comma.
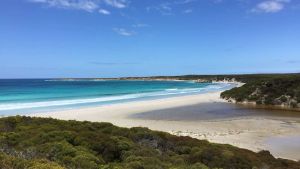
[(266, 107), (245, 132), (140, 106)]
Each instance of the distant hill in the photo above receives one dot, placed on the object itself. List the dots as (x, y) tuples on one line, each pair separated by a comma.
[(44, 143), (238, 77)]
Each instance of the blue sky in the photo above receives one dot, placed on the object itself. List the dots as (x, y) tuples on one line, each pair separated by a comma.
[(111, 38)]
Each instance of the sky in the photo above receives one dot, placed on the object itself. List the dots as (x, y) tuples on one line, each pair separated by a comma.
[(114, 38)]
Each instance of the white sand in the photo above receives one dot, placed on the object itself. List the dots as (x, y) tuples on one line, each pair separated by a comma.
[(249, 133)]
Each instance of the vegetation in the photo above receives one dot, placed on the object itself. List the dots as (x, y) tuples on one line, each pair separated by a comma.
[(241, 77), (272, 90), (44, 143), (205, 78)]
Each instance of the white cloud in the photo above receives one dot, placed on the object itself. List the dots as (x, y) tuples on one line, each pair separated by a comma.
[(116, 3), (270, 6), (187, 11), (104, 11), (86, 5), (140, 25), (184, 1), (124, 32), (170, 7), (163, 8)]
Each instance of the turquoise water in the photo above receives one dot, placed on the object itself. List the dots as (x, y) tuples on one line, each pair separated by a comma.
[(36, 95)]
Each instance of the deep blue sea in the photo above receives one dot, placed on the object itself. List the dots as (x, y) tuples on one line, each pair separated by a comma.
[(38, 95)]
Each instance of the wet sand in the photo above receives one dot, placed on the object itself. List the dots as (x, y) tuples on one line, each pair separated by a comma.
[(214, 111), (281, 144), (257, 129)]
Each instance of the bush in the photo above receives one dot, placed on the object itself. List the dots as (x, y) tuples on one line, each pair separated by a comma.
[(267, 90), (28, 144)]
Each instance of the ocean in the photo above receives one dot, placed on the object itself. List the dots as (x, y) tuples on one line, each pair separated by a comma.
[(24, 96)]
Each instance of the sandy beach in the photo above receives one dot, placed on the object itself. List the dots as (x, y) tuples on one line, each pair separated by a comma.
[(245, 132)]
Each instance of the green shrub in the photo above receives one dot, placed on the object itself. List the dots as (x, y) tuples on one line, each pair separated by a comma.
[(28, 144), (270, 88)]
